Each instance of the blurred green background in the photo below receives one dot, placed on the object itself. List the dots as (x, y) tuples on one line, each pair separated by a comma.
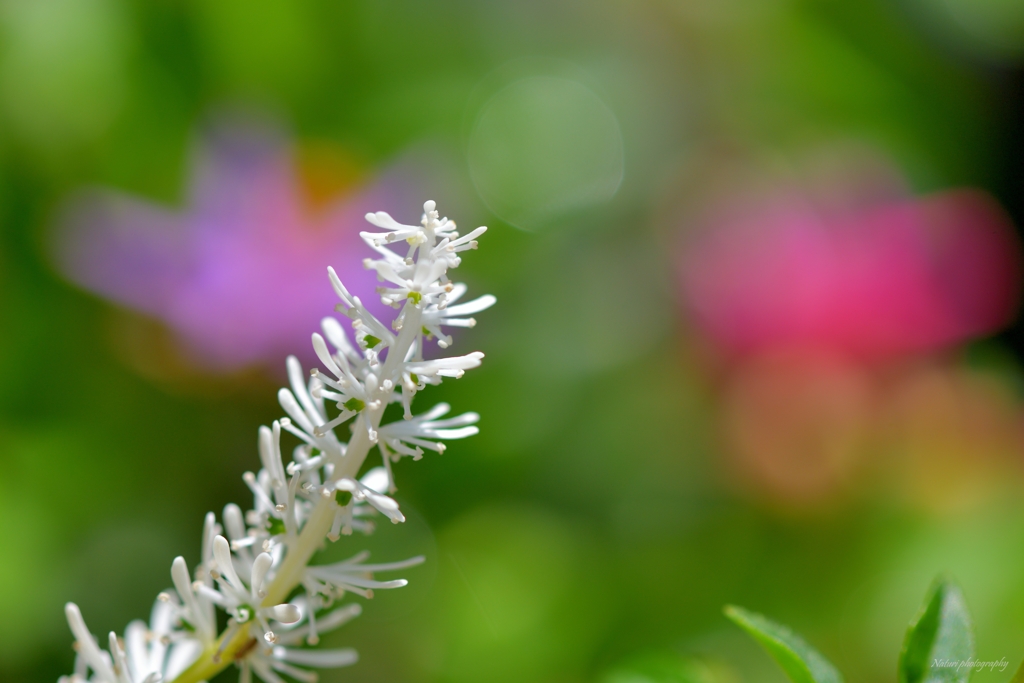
[(608, 509)]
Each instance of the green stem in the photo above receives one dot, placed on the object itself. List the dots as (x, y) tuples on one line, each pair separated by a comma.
[(210, 663)]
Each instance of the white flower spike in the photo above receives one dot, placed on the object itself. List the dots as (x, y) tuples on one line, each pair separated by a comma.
[(257, 568)]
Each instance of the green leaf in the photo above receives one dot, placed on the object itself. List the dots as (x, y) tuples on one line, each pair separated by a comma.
[(801, 662), (940, 641)]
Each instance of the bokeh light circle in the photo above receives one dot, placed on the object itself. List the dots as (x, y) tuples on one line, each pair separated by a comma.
[(543, 147)]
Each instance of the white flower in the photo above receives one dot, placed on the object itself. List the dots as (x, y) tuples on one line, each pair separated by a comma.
[(146, 655), (445, 314), (363, 322), (243, 602), (362, 498), (305, 406), (431, 228), (282, 659), (195, 611), (361, 492), (191, 611), (265, 661), (353, 576), (398, 436), (308, 630), (445, 367)]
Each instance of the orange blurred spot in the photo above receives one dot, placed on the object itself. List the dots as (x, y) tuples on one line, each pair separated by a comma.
[(956, 437), (327, 172), (795, 426)]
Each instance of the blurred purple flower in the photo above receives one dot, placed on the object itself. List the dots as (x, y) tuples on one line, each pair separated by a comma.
[(240, 274), (868, 280)]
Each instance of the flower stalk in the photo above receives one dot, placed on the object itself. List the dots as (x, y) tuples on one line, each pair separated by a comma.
[(262, 572)]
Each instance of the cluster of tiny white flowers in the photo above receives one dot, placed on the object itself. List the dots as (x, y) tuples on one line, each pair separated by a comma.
[(318, 494)]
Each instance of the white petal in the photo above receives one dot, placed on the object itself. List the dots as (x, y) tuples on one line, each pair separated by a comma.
[(297, 380), (377, 479), (286, 614), (260, 566), (181, 657), (322, 352), (98, 660), (225, 564), (183, 584), (136, 651), (234, 521), (470, 307), (291, 406), (319, 658), (386, 505)]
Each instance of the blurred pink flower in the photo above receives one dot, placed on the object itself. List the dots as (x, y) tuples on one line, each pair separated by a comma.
[(240, 274), (873, 280)]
